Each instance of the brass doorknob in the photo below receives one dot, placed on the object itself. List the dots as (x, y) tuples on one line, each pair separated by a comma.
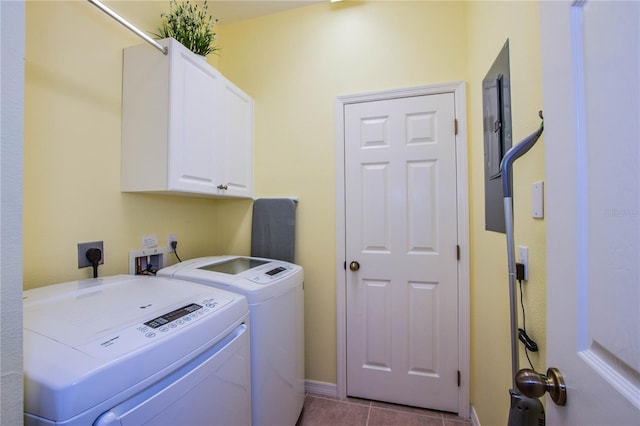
[(534, 385), (354, 266)]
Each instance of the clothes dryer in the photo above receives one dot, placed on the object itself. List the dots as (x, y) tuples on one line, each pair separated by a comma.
[(274, 290)]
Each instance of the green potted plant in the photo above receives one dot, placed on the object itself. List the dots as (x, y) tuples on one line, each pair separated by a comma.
[(190, 25)]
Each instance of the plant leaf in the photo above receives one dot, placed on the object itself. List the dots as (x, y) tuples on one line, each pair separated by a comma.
[(190, 25)]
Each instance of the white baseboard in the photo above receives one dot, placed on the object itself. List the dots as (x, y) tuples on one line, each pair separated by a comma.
[(475, 421), (321, 388)]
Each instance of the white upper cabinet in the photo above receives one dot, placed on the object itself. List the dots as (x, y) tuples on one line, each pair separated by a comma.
[(185, 127), (237, 140)]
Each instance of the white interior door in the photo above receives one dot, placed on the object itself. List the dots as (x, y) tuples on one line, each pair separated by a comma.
[(591, 73), (401, 230)]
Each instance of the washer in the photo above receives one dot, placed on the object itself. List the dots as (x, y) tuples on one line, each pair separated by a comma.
[(274, 291), (133, 350)]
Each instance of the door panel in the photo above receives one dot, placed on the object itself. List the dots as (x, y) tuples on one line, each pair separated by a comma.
[(401, 227), (194, 132), (421, 206), (378, 327), (422, 328), (375, 199), (238, 142), (591, 82)]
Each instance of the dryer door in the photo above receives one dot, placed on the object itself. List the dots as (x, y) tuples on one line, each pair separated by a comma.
[(213, 389)]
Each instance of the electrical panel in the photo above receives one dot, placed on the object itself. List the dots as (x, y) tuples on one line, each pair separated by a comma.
[(496, 111)]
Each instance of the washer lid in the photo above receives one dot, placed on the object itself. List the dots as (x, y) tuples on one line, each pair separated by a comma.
[(234, 265), (256, 278), (79, 312)]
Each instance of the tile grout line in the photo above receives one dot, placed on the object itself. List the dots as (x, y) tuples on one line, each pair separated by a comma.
[(369, 413)]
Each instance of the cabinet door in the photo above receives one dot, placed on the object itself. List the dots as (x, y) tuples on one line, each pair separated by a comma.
[(195, 125), (237, 142)]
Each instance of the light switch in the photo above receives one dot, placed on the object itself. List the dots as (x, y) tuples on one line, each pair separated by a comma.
[(537, 200)]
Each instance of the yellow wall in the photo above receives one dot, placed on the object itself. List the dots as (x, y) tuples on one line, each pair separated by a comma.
[(293, 64), (73, 85), (489, 25)]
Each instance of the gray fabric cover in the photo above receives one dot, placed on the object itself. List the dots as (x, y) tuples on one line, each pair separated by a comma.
[(273, 230)]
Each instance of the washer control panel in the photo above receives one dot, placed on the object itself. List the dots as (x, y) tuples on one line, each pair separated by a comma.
[(271, 272), (138, 335)]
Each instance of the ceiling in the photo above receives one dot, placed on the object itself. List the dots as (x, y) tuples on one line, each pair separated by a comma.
[(227, 11)]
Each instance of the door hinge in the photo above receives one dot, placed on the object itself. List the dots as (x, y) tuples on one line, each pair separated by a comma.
[(455, 125), (458, 252), (458, 378), (345, 265)]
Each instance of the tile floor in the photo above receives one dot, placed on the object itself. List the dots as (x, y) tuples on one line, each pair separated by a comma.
[(322, 410)]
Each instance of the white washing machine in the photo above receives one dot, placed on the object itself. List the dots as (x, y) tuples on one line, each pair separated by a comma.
[(133, 350), (276, 307)]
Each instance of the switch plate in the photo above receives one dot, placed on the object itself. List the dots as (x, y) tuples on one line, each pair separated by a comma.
[(523, 257), (83, 262), (537, 200)]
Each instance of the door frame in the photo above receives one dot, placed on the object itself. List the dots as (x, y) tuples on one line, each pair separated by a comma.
[(459, 91)]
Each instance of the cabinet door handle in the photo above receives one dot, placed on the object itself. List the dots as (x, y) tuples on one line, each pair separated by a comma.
[(224, 187)]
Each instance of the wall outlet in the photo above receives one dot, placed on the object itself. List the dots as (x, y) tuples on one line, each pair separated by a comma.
[(83, 262), (523, 257), (171, 238)]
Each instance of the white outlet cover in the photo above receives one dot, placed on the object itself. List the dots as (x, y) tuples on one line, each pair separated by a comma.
[(171, 238), (523, 257)]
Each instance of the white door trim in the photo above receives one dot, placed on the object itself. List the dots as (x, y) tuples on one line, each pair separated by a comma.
[(458, 89)]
